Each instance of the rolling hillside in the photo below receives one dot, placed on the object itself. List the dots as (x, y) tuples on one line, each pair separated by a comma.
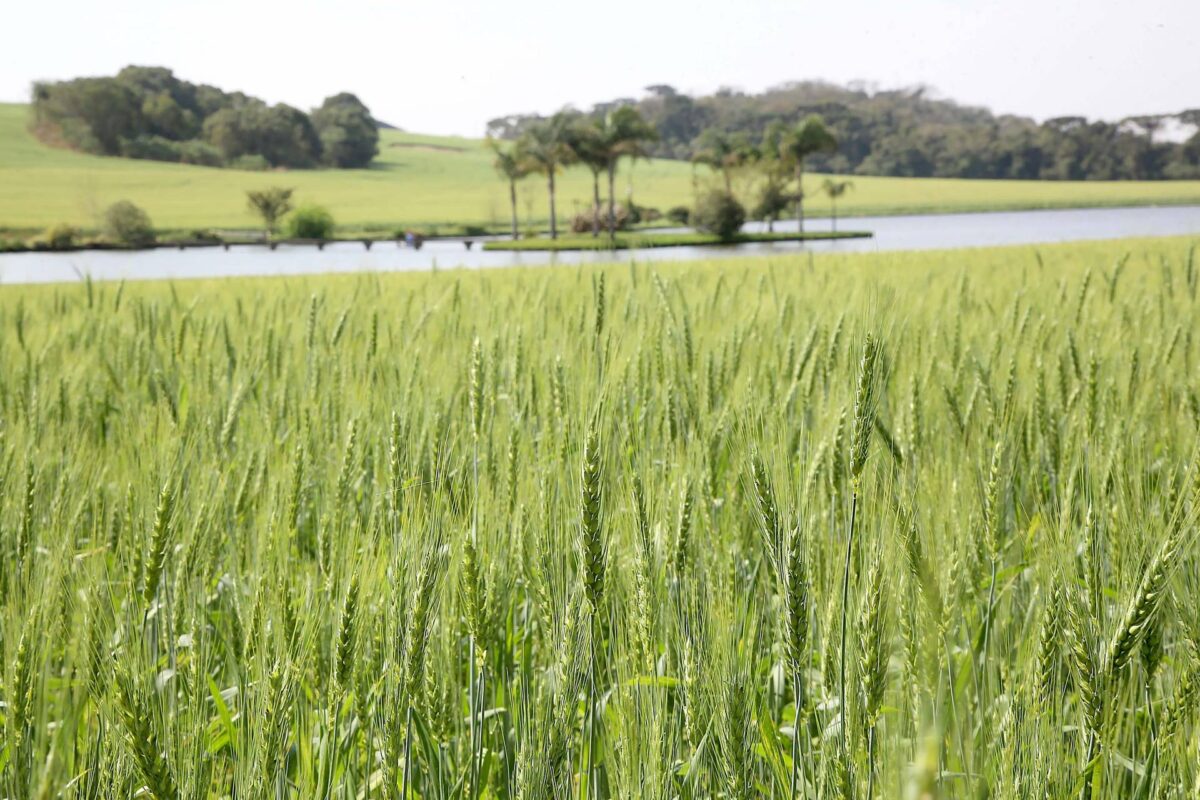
[(424, 181)]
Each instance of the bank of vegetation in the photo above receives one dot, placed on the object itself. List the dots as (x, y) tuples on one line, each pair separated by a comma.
[(149, 113), (912, 133)]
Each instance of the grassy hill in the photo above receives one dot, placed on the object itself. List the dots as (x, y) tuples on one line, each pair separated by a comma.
[(429, 181)]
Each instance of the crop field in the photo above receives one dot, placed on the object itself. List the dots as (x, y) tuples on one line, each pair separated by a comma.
[(427, 182), (861, 526)]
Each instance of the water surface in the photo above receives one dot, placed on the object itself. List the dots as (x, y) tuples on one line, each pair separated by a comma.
[(925, 232)]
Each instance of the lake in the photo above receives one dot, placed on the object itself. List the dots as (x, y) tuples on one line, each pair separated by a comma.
[(925, 232)]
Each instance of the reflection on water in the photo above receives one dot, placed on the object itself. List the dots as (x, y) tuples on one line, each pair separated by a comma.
[(929, 232)]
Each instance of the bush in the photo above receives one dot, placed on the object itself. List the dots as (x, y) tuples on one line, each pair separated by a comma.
[(159, 148), (250, 163), (719, 213), (773, 202), (310, 222), (201, 154), (680, 215), (150, 148), (582, 223), (61, 237), (126, 224), (639, 214)]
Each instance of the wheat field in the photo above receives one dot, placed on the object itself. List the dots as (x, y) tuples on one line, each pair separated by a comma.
[(916, 525)]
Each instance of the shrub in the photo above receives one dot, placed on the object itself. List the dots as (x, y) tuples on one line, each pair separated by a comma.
[(61, 237), (271, 205), (773, 201), (719, 213), (127, 224), (202, 154), (582, 223), (680, 215), (310, 222), (639, 214), (150, 148), (159, 148), (250, 163)]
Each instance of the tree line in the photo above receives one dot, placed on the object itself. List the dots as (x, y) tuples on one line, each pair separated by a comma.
[(909, 133), (600, 140), (147, 112)]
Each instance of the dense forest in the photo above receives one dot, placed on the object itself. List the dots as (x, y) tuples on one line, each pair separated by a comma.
[(147, 112), (908, 132)]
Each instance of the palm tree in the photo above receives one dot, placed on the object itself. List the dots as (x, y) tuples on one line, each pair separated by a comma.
[(587, 143), (510, 167), (774, 197), (623, 133), (809, 138), (835, 189), (545, 147), (721, 153)]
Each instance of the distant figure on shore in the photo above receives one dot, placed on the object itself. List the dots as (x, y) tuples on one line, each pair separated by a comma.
[(414, 240)]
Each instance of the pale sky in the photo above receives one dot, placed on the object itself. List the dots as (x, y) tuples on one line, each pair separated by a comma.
[(447, 67)]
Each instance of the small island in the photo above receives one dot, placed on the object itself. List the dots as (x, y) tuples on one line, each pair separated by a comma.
[(648, 240)]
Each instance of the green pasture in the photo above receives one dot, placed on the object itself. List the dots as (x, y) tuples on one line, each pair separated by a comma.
[(425, 182)]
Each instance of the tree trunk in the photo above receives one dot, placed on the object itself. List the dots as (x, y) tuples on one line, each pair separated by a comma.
[(770, 223), (799, 199), (833, 209), (553, 216), (595, 204), (728, 182), (512, 199), (612, 203)]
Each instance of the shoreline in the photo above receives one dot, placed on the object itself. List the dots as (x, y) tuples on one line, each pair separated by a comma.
[(718, 257)]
